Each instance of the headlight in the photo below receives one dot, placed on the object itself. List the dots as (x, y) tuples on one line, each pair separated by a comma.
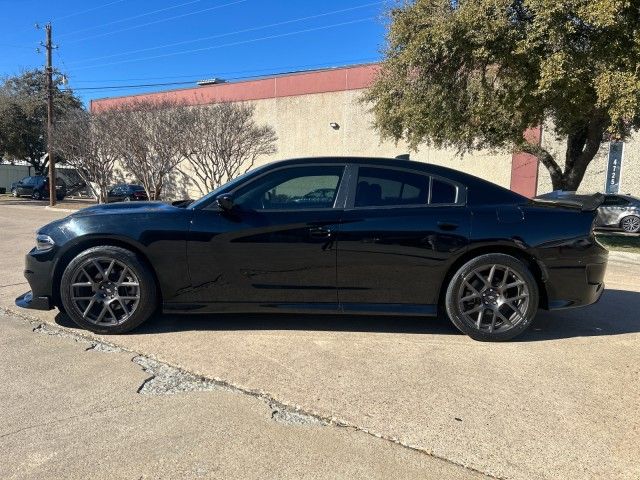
[(44, 243)]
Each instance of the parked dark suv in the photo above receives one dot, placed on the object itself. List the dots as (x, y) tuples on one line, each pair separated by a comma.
[(126, 192), (37, 187)]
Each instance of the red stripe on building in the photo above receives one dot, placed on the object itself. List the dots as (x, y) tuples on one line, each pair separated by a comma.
[(524, 167), (305, 83)]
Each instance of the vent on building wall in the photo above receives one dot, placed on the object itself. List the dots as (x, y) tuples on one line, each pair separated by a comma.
[(211, 81)]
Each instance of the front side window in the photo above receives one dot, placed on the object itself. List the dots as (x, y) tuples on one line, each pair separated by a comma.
[(294, 188)]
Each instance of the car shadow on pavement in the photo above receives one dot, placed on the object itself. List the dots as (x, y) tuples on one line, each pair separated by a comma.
[(617, 313)]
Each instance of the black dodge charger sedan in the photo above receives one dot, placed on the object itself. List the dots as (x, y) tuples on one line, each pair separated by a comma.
[(386, 236)]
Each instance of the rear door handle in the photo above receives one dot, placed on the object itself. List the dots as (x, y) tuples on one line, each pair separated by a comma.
[(319, 232), (447, 226)]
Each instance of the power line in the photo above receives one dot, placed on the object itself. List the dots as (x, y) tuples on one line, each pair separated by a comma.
[(99, 35), (253, 29), (196, 78), (87, 10), (242, 42), (279, 70), (128, 18)]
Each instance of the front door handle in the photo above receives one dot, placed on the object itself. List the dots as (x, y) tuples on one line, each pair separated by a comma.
[(447, 226), (319, 232)]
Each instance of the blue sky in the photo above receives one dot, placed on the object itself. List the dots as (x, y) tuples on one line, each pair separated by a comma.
[(130, 42)]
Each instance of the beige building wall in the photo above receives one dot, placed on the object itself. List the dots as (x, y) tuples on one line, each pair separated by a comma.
[(595, 176), (302, 124)]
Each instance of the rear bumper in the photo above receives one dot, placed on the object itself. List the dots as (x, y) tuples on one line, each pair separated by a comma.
[(569, 287)]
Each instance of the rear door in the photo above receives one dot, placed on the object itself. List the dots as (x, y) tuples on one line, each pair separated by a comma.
[(398, 236)]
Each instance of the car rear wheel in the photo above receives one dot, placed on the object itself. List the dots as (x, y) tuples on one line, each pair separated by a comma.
[(108, 290), (493, 297), (630, 224), (36, 195), (126, 199)]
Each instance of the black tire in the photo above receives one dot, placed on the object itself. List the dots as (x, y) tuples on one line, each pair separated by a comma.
[(630, 224), (468, 291), (14, 192), (147, 298), (36, 195), (126, 199)]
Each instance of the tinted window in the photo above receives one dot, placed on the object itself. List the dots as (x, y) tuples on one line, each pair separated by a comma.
[(443, 192), (292, 189), (386, 187), (613, 200)]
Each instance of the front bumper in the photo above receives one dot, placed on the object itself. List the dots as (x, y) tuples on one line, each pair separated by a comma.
[(27, 300), (39, 273)]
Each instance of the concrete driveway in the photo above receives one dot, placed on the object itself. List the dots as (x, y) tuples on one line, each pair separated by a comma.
[(563, 401)]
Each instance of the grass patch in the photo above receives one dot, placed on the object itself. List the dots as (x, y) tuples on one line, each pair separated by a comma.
[(620, 242)]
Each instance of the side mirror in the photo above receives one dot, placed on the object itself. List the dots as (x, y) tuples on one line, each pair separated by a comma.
[(225, 202)]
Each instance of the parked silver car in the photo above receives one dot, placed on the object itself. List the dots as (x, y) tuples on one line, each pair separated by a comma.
[(620, 212)]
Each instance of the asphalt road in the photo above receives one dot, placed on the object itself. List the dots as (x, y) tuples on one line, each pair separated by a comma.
[(563, 401)]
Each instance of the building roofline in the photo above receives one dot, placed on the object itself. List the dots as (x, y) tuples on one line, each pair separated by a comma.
[(286, 84)]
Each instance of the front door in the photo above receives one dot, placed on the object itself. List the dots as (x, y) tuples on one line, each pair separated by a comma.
[(397, 240), (275, 248)]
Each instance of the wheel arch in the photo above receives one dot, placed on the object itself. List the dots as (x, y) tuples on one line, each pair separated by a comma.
[(90, 242), (535, 268)]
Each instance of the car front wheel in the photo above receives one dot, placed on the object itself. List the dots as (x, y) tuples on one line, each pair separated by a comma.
[(37, 195), (108, 290), (493, 297), (14, 192), (630, 224)]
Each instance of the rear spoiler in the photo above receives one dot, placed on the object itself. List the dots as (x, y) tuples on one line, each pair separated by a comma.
[(586, 203), (592, 202)]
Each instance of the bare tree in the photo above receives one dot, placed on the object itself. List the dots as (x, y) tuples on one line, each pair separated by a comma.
[(84, 140), (153, 141), (225, 142)]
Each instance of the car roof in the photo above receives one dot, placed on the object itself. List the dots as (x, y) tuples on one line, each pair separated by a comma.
[(476, 184), (380, 161)]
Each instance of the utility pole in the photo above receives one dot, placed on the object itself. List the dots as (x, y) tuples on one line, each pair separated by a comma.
[(52, 163)]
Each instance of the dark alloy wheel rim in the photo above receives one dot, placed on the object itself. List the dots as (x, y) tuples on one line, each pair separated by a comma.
[(105, 291), (493, 298), (631, 224)]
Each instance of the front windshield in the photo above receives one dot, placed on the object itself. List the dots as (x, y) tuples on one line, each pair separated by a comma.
[(222, 188)]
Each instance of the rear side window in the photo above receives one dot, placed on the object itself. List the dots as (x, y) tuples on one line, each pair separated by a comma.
[(380, 187), (611, 200), (443, 192), (387, 187)]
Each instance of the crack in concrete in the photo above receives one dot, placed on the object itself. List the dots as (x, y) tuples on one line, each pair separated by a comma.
[(168, 380), (94, 345), (13, 284), (66, 419), (293, 413)]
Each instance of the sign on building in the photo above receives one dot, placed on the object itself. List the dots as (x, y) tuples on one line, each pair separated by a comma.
[(614, 167)]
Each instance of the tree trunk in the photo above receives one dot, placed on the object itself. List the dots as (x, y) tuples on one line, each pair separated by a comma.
[(582, 147)]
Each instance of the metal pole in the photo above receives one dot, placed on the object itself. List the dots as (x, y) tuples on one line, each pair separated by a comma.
[(52, 163)]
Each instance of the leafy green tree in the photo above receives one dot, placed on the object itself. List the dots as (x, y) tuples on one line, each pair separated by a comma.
[(23, 116), (474, 74)]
